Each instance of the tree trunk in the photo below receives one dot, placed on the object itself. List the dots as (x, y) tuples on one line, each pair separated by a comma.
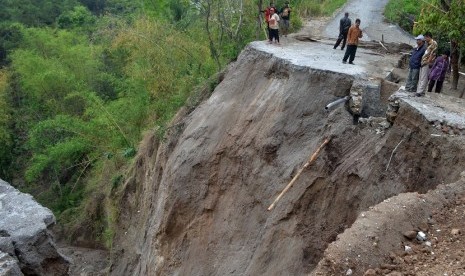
[(213, 49), (454, 61), (259, 19)]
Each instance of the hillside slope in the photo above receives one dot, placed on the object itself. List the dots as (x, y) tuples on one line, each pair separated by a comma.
[(196, 203)]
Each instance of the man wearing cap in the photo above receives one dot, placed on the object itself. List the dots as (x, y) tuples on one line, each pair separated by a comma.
[(415, 64), (426, 61)]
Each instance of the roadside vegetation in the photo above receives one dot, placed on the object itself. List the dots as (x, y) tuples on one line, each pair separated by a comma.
[(444, 19), (81, 81), (402, 12)]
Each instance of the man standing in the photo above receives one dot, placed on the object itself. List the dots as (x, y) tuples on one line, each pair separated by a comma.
[(344, 26), (285, 16), (352, 42), (426, 61), (415, 63)]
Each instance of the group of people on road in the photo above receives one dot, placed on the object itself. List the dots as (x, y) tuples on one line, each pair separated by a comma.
[(426, 68), (275, 17)]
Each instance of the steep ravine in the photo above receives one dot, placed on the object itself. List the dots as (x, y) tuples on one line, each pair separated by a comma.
[(195, 203)]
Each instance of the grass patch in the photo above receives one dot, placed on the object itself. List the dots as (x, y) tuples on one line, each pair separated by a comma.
[(403, 13), (317, 7)]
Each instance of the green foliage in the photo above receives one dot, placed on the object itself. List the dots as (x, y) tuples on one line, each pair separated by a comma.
[(311, 8), (33, 12), (78, 97), (443, 19), (402, 12), (10, 38), (80, 17), (5, 129)]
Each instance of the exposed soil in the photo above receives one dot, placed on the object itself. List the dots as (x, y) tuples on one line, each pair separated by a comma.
[(443, 253), (195, 204), (86, 261)]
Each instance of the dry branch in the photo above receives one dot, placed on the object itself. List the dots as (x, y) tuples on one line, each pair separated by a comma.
[(392, 153), (383, 46), (312, 158)]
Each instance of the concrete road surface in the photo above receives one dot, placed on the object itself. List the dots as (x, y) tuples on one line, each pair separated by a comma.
[(373, 25)]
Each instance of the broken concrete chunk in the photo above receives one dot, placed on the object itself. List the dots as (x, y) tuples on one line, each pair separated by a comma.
[(421, 236), (9, 265), (25, 235)]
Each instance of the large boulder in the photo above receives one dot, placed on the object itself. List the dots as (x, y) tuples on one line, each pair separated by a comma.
[(25, 235)]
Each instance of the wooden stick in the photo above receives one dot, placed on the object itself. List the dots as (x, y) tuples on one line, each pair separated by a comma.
[(383, 46), (392, 153), (312, 158)]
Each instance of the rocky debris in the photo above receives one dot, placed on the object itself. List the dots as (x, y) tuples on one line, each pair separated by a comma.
[(420, 250), (356, 98), (379, 124), (393, 108), (86, 261), (9, 265), (444, 113), (25, 235)]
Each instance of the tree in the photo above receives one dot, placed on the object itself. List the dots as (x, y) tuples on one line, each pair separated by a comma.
[(446, 17), (79, 17), (229, 25), (33, 12)]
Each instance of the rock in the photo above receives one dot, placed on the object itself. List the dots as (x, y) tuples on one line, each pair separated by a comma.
[(370, 272), (410, 234), (349, 272), (24, 226), (421, 236), (424, 226), (455, 232), (9, 265), (462, 174), (394, 273), (6, 245)]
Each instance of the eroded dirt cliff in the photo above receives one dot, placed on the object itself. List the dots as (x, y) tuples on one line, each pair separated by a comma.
[(196, 202)]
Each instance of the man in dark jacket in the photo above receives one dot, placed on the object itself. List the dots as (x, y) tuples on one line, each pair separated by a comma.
[(344, 26), (415, 64), (286, 17)]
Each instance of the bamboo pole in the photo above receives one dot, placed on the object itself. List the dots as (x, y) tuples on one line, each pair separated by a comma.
[(310, 160)]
